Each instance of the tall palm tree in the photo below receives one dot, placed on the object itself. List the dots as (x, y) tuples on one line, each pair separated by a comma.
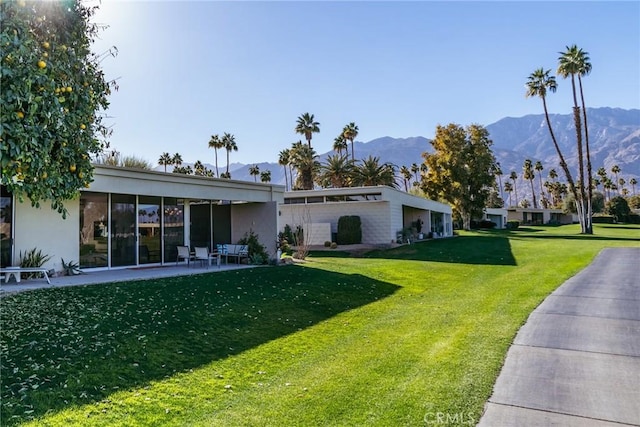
[(336, 172), (350, 132), (527, 173), (283, 160), (198, 168), (339, 144), (164, 160), (305, 160), (621, 183), (497, 171), (265, 176), (307, 126), (254, 171), (514, 177), (415, 169), (217, 144), (370, 172), (538, 83), (509, 189), (539, 168), (569, 66), (616, 170), (553, 174), (229, 143), (406, 176), (633, 182)]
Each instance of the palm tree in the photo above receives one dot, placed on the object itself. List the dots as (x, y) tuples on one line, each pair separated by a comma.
[(198, 168), (509, 189), (621, 183), (265, 176), (336, 172), (553, 174), (528, 174), (229, 143), (350, 132), (569, 65), (307, 126), (497, 171), (217, 144), (339, 144), (615, 170), (539, 168), (254, 171), (370, 172), (514, 177), (406, 176), (164, 160), (283, 160), (633, 183), (537, 85), (415, 169), (305, 160), (176, 159)]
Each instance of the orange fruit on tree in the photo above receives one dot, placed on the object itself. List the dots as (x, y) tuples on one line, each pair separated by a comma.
[(45, 45), (69, 88), (20, 115), (72, 168)]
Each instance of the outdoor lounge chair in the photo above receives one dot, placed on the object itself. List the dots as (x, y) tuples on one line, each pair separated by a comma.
[(202, 255), (183, 254)]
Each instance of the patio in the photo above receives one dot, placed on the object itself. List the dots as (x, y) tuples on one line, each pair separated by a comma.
[(115, 275)]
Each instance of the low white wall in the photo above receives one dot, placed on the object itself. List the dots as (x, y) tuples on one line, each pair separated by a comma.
[(259, 217), (317, 233)]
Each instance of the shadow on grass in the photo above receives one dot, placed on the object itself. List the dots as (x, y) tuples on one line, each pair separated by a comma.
[(492, 249), (73, 346)]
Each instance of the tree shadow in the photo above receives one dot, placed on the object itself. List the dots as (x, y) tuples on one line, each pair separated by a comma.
[(490, 249), (72, 346)]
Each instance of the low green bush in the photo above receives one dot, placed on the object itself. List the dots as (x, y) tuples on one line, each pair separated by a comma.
[(327, 244), (603, 219), (513, 225), (349, 230)]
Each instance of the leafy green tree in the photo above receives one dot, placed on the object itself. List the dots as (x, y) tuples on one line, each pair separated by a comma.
[(254, 171), (494, 200), (618, 208), (634, 201), (528, 174), (460, 170), (165, 159), (216, 143), (370, 172), (53, 96), (229, 142), (336, 172), (350, 132), (307, 126)]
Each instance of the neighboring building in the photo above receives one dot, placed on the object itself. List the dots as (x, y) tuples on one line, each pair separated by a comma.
[(496, 215), (384, 212), (132, 217), (531, 216)]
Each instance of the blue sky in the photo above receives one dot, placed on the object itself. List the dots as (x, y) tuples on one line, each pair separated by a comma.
[(187, 70)]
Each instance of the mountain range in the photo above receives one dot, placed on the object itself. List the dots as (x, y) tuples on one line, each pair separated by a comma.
[(614, 136)]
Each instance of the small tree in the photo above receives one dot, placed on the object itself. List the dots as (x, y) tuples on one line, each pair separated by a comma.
[(618, 208)]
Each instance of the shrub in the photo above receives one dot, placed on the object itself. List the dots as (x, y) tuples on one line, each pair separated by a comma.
[(513, 225), (603, 219), (70, 268), (327, 244), (619, 208), (633, 219), (257, 251), (32, 258), (349, 230), (483, 224), (334, 245)]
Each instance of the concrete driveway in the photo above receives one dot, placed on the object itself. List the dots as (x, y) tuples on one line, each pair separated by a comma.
[(576, 362)]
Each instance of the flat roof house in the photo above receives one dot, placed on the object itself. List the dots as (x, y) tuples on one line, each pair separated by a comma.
[(131, 217), (384, 212), (532, 216)]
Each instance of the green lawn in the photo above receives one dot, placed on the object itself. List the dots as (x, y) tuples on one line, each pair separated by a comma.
[(380, 340)]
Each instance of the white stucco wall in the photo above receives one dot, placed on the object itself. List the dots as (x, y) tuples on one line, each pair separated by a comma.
[(44, 229), (259, 217)]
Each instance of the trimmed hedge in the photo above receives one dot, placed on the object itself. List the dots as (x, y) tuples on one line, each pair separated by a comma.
[(349, 230), (513, 225), (603, 219)]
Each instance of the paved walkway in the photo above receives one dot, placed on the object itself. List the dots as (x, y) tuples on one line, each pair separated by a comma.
[(576, 362), (115, 275)]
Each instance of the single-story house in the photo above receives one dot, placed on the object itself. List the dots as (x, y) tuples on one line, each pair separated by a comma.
[(384, 213), (496, 215), (130, 217), (532, 216)]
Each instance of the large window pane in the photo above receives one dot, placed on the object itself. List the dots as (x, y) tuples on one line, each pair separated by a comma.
[(149, 230), (200, 230), (94, 229), (173, 227), (123, 230)]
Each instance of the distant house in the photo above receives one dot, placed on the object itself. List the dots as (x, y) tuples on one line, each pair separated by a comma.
[(132, 217), (496, 215), (384, 213), (532, 216)]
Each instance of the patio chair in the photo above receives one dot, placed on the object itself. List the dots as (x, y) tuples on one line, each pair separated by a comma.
[(202, 255), (183, 254)]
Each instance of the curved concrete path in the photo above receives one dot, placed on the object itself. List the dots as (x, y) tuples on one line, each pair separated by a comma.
[(576, 362)]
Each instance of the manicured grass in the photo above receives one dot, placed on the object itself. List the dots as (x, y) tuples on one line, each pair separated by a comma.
[(381, 340)]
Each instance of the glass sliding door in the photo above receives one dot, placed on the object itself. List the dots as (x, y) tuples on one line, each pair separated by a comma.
[(94, 230), (173, 222), (200, 230), (6, 227), (149, 236), (123, 230)]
